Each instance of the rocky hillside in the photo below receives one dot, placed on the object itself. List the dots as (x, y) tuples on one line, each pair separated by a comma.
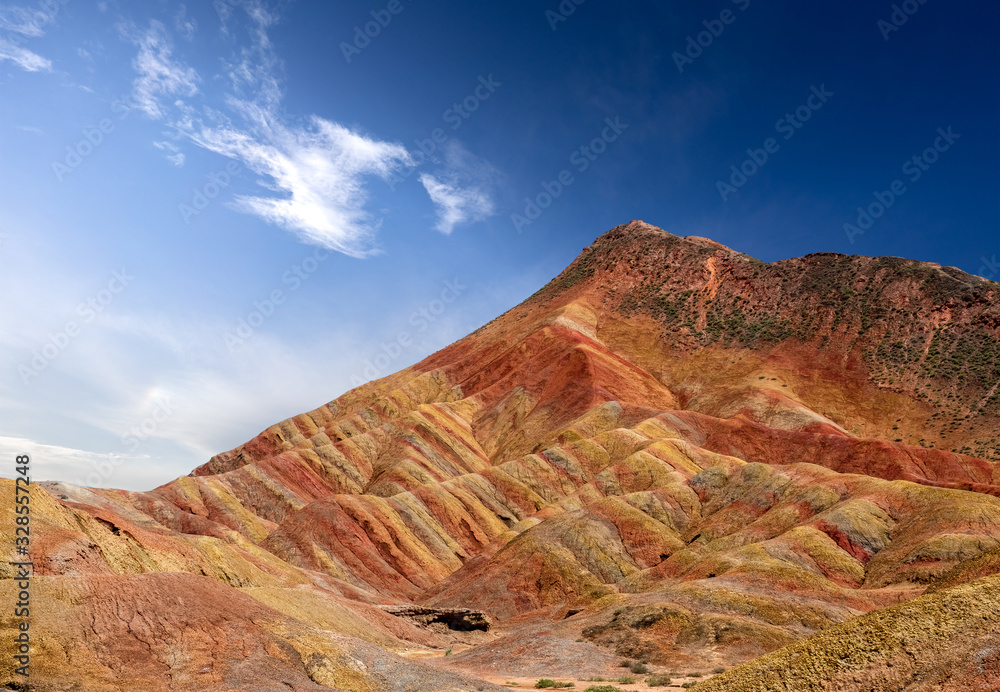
[(672, 453), (929, 333)]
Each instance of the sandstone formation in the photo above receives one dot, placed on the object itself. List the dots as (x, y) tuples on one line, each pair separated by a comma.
[(672, 452)]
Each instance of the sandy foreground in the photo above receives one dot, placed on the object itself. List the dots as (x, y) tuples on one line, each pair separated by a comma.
[(612, 677)]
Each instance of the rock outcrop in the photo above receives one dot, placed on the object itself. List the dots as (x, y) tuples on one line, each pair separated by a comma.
[(455, 619)]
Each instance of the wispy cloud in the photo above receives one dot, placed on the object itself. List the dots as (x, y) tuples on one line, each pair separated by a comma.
[(30, 128), (254, 72), (24, 21), (456, 205), (24, 58), (317, 170), (185, 25), (159, 75), (461, 190), (174, 155), (17, 25), (321, 170)]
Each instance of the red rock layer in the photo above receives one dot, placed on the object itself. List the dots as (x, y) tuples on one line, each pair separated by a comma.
[(686, 452)]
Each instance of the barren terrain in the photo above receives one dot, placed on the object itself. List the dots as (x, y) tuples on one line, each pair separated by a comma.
[(673, 456)]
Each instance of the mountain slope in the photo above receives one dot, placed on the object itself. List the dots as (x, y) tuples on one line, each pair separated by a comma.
[(945, 641), (672, 452)]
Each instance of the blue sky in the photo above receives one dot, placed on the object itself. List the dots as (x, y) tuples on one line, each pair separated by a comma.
[(217, 215)]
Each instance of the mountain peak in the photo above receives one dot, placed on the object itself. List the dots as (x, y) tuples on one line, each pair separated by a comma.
[(929, 333), (670, 440)]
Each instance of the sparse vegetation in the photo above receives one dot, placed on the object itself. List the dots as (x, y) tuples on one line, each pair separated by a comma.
[(638, 668), (658, 680), (546, 682), (602, 688), (718, 670)]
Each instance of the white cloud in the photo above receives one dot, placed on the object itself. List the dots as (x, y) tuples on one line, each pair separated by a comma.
[(20, 24), (456, 205), (30, 128), (53, 462), (318, 169), (159, 76), (461, 189), (321, 170), (253, 73), (24, 58), (23, 21), (186, 26), (174, 155)]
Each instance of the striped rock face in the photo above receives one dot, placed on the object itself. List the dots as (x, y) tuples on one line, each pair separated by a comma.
[(671, 453)]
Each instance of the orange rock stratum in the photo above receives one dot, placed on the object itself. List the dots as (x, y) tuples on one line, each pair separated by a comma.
[(673, 455)]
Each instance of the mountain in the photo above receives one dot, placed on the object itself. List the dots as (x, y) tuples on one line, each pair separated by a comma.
[(671, 453)]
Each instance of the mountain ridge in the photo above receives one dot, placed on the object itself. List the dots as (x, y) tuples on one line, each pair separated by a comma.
[(610, 469)]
